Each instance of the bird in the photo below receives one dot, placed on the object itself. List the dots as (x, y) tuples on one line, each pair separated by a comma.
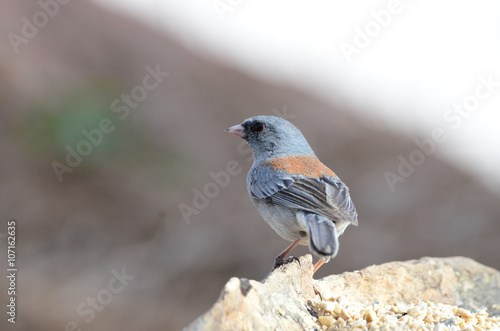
[(303, 200)]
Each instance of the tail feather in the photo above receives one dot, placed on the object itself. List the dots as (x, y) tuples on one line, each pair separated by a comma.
[(323, 236)]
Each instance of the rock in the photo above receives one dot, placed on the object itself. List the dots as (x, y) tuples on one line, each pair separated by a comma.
[(429, 293), (282, 301)]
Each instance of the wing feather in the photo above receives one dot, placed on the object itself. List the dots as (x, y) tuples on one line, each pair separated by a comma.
[(326, 196)]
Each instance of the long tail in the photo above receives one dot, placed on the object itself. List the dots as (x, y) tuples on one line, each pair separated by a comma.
[(323, 236)]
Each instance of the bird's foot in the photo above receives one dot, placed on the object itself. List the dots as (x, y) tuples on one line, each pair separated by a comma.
[(279, 261)]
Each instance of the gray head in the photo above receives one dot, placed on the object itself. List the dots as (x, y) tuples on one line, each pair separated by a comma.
[(271, 136)]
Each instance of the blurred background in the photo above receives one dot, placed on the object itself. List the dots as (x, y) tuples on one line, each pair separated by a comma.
[(130, 200)]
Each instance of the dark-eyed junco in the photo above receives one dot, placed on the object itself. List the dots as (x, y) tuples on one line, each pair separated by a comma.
[(297, 195)]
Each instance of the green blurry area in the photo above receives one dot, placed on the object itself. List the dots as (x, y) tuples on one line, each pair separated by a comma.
[(53, 122), (53, 125)]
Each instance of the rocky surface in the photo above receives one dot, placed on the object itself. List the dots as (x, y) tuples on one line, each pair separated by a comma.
[(430, 294)]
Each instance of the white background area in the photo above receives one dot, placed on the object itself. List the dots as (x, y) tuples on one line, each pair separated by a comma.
[(420, 61)]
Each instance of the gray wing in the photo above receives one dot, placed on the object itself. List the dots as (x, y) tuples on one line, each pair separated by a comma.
[(326, 196)]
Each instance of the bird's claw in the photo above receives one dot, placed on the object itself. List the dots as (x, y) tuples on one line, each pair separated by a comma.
[(279, 261)]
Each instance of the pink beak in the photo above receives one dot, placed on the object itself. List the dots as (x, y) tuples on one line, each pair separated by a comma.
[(237, 130)]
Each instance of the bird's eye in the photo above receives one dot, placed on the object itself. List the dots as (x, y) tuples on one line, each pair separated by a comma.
[(258, 127)]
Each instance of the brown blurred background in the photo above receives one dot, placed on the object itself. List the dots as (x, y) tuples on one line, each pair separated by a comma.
[(118, 211)]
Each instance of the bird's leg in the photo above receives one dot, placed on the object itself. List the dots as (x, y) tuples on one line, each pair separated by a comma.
[(280, 259), (318, 265)]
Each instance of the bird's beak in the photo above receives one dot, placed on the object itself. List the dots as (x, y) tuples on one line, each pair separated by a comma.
[(237, 130)]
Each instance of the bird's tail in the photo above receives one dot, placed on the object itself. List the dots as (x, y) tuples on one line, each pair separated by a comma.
[(323, 236)]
